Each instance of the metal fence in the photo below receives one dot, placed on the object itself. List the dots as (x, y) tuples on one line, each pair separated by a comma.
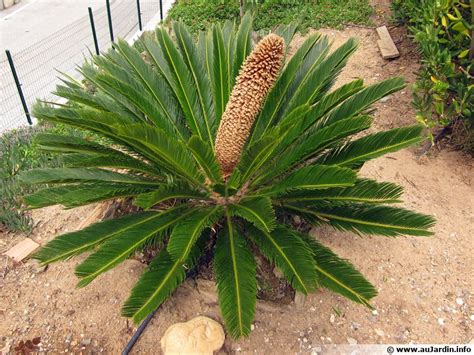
[(37, 66)]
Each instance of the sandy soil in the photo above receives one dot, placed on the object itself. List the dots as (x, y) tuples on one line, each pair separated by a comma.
[(425, 284)]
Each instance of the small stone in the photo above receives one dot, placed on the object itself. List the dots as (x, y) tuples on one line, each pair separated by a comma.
[(375, 312), (252, 327), (201, 335), (472, 317), (305, 340), (440, 321), (332, 318), (379, 332), (355, 325), (352, 341), (37, 268), (459, 301), (385, 99), (86, 341)]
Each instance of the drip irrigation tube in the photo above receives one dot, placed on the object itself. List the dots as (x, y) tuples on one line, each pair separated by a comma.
[(144, 324), (138, 333)]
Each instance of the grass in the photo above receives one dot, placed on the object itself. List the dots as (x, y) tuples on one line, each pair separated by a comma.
[(199, 14)]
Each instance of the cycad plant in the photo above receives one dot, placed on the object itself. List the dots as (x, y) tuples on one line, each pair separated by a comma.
[(221, 144)]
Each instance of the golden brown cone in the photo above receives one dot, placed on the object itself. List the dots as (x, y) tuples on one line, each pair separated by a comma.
[(256, 78)]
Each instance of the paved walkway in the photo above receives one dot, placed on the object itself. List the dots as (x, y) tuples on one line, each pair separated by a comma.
[(47, 36), (29, 21)]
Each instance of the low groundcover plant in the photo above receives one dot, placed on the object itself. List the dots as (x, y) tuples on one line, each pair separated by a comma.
[(221, 143)]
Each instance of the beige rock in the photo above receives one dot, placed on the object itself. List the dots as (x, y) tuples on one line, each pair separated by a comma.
[(199, 336)]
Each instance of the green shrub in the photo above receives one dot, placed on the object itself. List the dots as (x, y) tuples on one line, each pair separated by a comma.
[(17, 154), (198, 15), (444, 92), (287, 148)]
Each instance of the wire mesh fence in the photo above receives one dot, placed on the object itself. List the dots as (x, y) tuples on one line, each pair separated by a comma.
[(38, 66)]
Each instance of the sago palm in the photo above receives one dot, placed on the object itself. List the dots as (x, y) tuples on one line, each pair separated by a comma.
[(221, 143)]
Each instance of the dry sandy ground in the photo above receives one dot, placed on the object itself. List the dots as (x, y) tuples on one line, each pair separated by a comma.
[(425, 284)]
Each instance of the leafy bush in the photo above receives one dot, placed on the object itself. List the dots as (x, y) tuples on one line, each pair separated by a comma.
[(221, 161), (18, 153), (444, 93), (200, 14)]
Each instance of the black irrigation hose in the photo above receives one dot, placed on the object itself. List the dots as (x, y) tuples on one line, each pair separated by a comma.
[(190, 273), (147, 320), (144, 324), (138, 333)]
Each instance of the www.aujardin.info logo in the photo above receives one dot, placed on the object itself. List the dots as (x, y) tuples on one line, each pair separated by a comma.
[(446, 349)]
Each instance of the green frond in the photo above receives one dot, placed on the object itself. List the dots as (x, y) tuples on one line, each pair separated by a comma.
[(243, 43), (156, 284), (182, 84), (235, 271), (372, 146), (206, 51), (106, 161), (287, 32), (318, 139), (339, 275), (311, 143), (90, 154), (276, 98), (145, 105), (80, 96), (364, 191), (200, 77), (334, 98), (71, 196), (115, 250), (155, 89), (258, 211), (70, 244), (86, 119), (220, 74), (71, 144), (312, 177), (161, 278), (320, 79), (185, 234), (171, 153), (284, 248), (124, 105), (206, 159), (257, 155), (367, 218), (229, 33), (71, 175), (167, 192), (365, 98)]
